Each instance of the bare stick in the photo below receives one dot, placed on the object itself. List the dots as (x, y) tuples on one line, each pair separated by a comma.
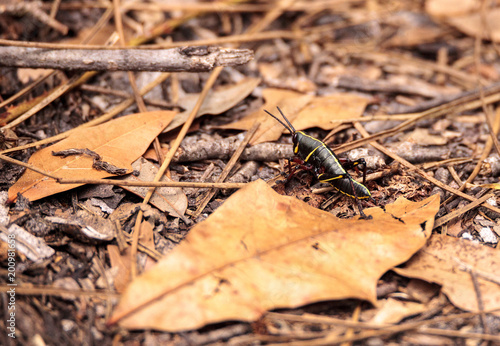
[(192, 59)]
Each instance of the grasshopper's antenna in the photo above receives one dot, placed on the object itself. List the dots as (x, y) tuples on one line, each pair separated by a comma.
[(282, 123), (289, 124)]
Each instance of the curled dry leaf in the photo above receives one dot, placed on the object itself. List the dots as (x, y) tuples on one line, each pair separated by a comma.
[(442, 261), (119, 142), (168, 199), (262, 251)]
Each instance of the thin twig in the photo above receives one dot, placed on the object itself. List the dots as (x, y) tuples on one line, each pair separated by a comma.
[(448, 217)]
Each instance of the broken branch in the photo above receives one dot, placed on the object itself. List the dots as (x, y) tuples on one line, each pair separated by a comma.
[(191, 59)]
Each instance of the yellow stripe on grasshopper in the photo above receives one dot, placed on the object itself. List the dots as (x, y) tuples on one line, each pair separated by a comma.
[(312, 152)]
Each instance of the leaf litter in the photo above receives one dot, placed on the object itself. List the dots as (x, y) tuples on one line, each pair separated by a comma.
[(431, 62), (277, 252)]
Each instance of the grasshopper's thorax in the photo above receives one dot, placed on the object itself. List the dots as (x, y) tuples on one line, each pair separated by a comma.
[(305, 145)]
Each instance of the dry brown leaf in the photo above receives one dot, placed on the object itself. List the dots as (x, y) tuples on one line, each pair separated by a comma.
[(119, 142), (413, 36), (439, 262), (290, 102), (303, 111), (100, 37), (421, 291), (120, 263), (274, 252), (451, 8), (27, 75), (168, 199), (278, 75), (472, 24), (217, 101), (424, 137), (321, 111), (393, 311)]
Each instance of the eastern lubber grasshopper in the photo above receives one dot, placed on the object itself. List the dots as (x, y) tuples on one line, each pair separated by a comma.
[(313, 154)]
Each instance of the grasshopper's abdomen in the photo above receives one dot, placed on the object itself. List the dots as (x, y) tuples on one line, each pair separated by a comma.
[(344, 186)]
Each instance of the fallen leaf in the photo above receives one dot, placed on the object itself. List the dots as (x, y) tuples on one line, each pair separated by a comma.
[(121, 264), (168, 199), (439, 262), (84, 223), (278, 75), (217, 101), (275, 252), (27, 75), (423, 137), (119, 142), (303, 111), (290, 102), (421, 291), (472, 24), (450, 8), (322, 111), (393, 311)]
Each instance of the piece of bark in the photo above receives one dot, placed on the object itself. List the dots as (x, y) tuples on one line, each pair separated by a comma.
[(165, 60)]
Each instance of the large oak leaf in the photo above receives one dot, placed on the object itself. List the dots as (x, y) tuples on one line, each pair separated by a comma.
[(262, 251)]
